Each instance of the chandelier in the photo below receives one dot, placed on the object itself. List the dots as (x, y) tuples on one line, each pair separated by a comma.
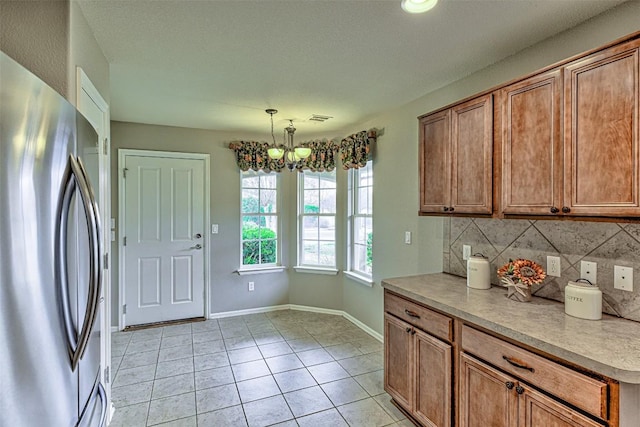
[(292, 154)]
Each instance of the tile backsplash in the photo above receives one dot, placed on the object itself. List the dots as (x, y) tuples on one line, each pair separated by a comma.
[(605, 243)]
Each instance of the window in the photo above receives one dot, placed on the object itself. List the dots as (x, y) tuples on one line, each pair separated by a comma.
[(317, 219), (259, 219), (360, 221)]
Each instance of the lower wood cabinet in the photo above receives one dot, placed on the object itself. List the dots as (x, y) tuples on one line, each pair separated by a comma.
[(489, 397), (495, 383), (418, 372)]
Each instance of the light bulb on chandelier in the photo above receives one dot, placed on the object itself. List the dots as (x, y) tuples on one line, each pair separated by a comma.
[(292, 154)]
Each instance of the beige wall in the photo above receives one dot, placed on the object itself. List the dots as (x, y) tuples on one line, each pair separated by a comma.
[(36, 34), (51, 38)]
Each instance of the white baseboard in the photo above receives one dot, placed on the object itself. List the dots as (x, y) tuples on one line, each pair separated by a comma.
[(224, 314), (333, 312)]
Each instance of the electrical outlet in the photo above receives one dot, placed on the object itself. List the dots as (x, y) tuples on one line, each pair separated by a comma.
[(589, 271), (553, 266), (466, 252), (623, 278), (407, 237), (252, 286)]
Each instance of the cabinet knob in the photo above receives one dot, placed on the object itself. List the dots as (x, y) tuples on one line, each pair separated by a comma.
[(413, 332), (446, 209), (566, 209), (554, 209), (407, 330), (519, 389), (451, 209), (509, 384)]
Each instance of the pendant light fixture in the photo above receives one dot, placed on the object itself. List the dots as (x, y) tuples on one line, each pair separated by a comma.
[(292, 154)]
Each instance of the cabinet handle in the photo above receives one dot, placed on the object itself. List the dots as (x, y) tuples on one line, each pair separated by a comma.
[(518, 365), (413, 332), (509, 384), (519, 389), (554, 209), (407, 330), (566, 209), (446, 209), (411, 313), (451, 209)]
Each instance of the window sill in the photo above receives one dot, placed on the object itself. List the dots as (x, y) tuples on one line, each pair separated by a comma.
[(260, 270), (315, 270), (364, 280)]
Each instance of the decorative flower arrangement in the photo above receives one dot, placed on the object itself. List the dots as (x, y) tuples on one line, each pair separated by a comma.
[(518, 276)]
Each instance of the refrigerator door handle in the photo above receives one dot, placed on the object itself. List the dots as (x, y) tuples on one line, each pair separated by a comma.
[(74, 178), (95, 270), (103, 405)]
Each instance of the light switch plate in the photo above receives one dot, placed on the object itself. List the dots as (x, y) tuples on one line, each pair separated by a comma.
[(214, 228), (623, 278), (407, 237), (466, 252), (589, 271)]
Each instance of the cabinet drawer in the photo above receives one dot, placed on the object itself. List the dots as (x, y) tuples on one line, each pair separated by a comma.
[(429, 321), (573, 387)]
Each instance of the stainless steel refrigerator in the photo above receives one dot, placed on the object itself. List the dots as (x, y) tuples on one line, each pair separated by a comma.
[(50, 272)]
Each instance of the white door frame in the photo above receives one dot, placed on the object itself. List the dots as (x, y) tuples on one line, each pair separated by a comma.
[(85, 85), (122, 154)]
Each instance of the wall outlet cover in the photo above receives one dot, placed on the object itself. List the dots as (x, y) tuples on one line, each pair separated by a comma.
[(466, 252), (553, 266), (623, 278), (589, 271)]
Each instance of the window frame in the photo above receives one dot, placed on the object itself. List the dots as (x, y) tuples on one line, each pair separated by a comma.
[(353, 206), (261, 267), (301, 214)]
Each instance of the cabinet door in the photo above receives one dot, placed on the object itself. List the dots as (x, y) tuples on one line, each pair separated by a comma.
[(435, 170), (537, 410), (487, 396), (532, 146), (398, 361), (601, 133), (433, 381), (472, 156)]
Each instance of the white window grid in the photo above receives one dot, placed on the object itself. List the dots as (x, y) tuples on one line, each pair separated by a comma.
[(360, 221)]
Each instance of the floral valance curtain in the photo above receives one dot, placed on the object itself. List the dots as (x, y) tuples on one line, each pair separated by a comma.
[(322, 158), (253, 155), (355, 150)]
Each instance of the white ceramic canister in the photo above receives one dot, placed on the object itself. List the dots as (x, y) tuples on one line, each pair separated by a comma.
[(583, 300), (478, 272)]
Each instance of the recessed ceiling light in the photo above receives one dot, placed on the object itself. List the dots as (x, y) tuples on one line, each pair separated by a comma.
[(418, 6)]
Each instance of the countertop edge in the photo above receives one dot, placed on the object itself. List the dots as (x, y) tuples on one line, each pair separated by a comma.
[(622, 375)]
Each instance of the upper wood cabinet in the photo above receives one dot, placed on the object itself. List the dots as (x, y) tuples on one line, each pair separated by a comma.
[(601, 152), (456, 154), (532, 145)]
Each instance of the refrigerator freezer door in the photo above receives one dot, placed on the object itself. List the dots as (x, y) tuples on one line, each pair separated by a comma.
[(37, 134)]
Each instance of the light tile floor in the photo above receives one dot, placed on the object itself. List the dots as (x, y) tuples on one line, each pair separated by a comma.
[(284, 368)]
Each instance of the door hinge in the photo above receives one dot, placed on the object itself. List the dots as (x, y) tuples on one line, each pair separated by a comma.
[(106, 262), (124, 309), (106, 374), (124, 172), (105, 147), (125, 241)]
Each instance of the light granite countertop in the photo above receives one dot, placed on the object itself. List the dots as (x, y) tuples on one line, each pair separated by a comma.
[(610, 346)]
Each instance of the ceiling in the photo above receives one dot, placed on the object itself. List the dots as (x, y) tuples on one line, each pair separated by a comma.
[(218, 64)]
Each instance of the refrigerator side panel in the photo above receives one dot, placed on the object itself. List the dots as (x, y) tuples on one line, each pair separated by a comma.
[(89, 366), (36, 137)]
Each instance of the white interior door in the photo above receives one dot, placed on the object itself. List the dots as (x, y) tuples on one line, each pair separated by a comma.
[(164, 238)]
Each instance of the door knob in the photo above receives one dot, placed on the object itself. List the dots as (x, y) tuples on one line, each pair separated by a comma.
[(198, 246), (198, 236)]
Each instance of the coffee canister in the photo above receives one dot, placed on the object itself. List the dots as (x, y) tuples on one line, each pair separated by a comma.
[(583, 300), (478, 272)]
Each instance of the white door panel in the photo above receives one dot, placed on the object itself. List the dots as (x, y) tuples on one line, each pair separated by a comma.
[(164, 227)]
